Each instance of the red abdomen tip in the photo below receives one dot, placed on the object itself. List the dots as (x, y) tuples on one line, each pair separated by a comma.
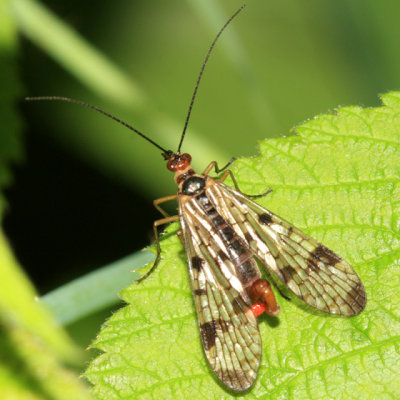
[(261, 294), (258, 309)]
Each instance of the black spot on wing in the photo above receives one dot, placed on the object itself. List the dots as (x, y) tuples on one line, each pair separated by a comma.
[(312, 264), (265, 219), (208, 332), (200, 292), (356, 297), (197, 263), (325, 255)]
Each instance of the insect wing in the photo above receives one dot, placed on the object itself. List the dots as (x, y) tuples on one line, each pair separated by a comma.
[(228, 328), (310, 270)]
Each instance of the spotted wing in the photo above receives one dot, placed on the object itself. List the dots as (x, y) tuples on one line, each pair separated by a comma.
[(310, 270), (228, 327)]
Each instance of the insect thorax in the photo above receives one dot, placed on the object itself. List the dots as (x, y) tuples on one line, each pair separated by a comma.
[(192, 185)]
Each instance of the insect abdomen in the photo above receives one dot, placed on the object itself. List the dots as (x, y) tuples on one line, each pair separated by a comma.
[(246, 268)]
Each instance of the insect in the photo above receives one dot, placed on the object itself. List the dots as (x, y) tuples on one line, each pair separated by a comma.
[(226, 234)]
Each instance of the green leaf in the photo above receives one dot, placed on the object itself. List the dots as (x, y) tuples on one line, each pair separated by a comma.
[(32, 346), (337, 180), (18, 307), (30, 370)]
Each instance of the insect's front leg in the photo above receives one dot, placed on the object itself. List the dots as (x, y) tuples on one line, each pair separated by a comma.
[(161, 200), (156, 224), (217, 170), (251, 196)]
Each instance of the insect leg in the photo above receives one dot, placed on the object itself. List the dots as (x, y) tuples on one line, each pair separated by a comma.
[(156, 224), (280, 291), (257, 196), (217, 170), (251, 196), (161, 200)]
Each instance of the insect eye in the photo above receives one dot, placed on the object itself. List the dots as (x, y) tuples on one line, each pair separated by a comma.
[(184, 161), (187, 157), (171, 165)]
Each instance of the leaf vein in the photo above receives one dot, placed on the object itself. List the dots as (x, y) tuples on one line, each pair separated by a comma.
[(332, 360)]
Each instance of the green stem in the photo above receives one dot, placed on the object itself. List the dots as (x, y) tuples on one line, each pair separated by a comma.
[(95, 291), (74, 53)]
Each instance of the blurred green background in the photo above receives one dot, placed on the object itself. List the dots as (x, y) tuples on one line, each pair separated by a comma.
[(82, 196)]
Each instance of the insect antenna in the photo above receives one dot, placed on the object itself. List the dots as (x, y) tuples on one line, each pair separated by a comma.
[(99, 110), (201, 73)]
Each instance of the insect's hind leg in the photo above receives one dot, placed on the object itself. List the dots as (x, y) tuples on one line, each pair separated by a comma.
[(251, 196), (272, 281), (156, 224)]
